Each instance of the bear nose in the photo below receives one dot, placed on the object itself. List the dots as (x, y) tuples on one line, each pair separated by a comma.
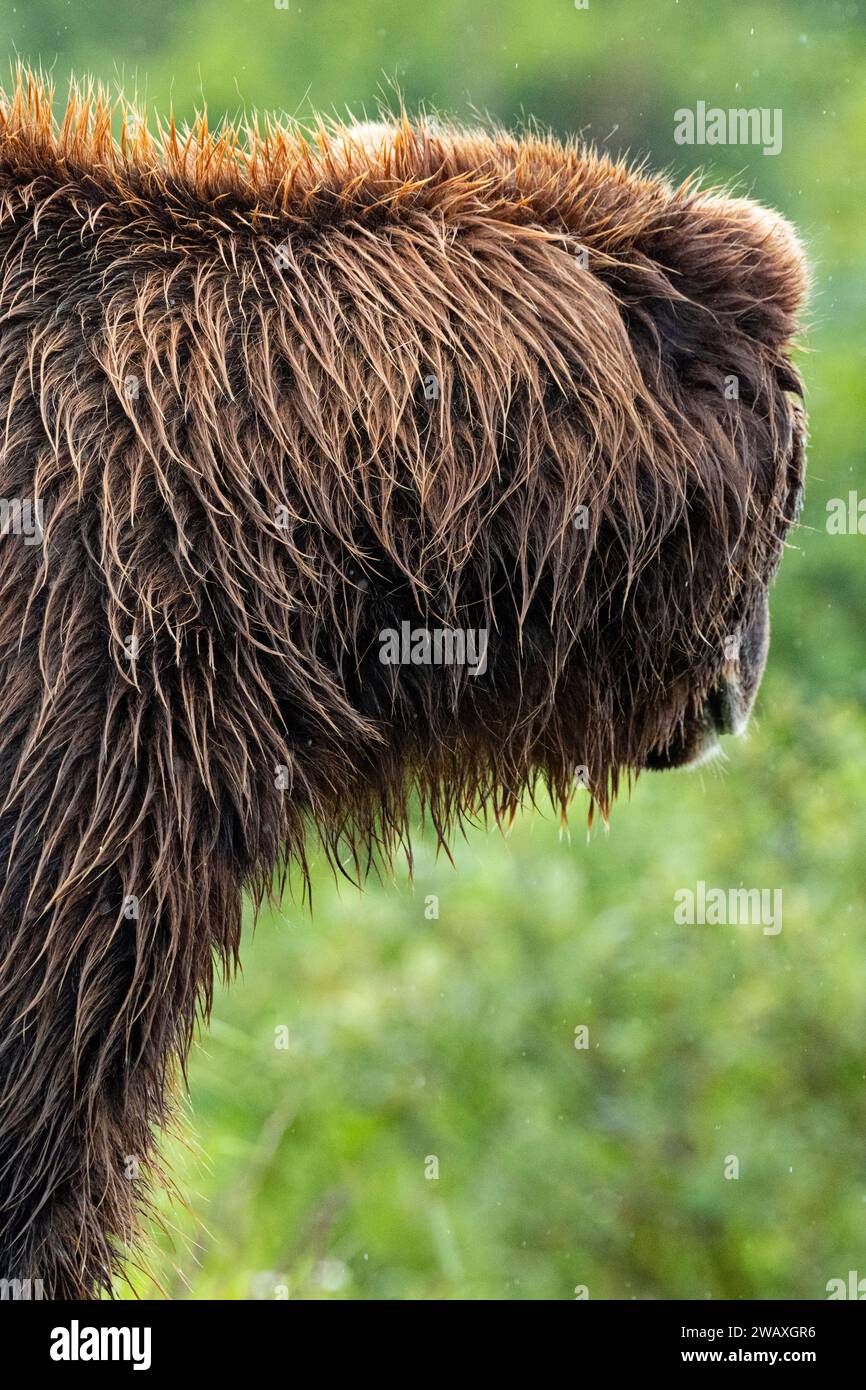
[(727, 710), (730, 701)]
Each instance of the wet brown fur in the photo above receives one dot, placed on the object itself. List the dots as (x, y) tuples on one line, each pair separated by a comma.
[(281, 491)]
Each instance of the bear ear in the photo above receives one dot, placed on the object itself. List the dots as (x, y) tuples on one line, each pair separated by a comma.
[(746, 263)]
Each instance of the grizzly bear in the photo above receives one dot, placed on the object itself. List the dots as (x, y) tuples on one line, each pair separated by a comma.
[(346, 475)]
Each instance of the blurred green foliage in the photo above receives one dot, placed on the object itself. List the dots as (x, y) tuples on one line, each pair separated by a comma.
[(411, 1037)]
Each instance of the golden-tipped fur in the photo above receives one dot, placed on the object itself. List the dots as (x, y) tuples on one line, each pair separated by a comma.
[(277, 394)]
